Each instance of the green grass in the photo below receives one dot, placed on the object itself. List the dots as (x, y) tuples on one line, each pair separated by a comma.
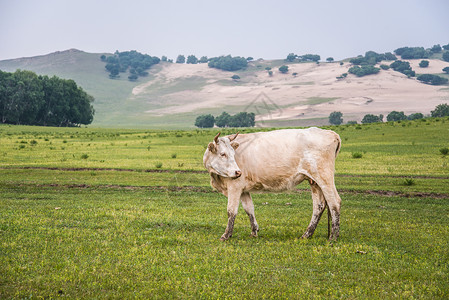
[(106, 213)]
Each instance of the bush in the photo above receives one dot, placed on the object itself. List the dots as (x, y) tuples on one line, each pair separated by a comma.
[(446, 70), (363, 70), (424, 63), (409, 182), (432, 79), (84, 156), (444, 151), (384, 67), (235, 77), (403, 67), (158, 165), (357, 155), (283, 69)]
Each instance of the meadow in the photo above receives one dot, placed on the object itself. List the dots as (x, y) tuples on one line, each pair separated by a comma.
[(104, 213)]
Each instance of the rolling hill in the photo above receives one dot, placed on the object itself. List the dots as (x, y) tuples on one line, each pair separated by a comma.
[(173, 95)]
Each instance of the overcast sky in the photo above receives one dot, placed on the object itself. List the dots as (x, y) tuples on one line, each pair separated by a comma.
[(257, 28)]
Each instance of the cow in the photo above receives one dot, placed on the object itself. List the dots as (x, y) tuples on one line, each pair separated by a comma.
[(276, 161)]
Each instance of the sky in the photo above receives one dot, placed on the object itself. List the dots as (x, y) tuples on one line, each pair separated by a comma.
[(256, 28)]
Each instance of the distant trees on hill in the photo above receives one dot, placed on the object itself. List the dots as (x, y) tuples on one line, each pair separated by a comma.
[(137, 64), (432, 79), (291, 57), (403, 67), (29, 99), (241, 119), (412, 52), (363, 70), (228, 63)]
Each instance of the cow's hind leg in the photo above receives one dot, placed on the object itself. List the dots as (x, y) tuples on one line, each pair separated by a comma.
[(319, 204), (248, 206), (333, 201)]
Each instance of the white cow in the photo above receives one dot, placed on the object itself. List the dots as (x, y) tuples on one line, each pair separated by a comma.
[(276, 161)]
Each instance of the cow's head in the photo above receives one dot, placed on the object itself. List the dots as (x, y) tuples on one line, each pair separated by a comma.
[(219, 157)]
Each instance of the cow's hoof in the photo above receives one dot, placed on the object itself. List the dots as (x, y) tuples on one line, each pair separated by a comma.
[(253, 234), (223, 238)]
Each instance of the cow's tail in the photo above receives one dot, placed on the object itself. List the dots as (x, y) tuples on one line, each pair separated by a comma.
[(338, 140)]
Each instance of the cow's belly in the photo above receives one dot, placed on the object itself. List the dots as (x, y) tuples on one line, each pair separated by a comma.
[(275, 184)]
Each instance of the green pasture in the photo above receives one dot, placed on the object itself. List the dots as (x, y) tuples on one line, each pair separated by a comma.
[(103, 213)]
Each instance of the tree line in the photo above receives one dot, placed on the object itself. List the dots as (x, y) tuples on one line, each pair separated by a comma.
[(441, 110), (241, 119), (29, 99)]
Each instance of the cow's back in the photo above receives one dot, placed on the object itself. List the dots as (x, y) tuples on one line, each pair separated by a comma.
[(275, 160)]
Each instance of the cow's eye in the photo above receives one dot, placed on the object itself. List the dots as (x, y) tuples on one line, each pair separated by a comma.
[(223, 154)]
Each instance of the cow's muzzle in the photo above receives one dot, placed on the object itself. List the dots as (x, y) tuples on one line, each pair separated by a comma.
[(237, 174)]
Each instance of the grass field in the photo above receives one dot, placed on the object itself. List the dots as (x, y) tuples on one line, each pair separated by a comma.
[(102, 213)]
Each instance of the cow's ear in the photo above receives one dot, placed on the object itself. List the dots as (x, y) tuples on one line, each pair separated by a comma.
[(235, 145), (212, 147)]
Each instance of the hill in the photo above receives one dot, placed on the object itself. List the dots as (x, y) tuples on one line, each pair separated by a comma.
[(173, 95)]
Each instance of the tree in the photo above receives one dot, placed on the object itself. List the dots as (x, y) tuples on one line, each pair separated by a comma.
[(403, 67), (180, 59), (441, 110), (133, 77), (164, 58), (223, 119), (242, 119), (203, 60), (396, 116), (191, 59), (28, 99), (446, 70), (424, 63), (335, 118), (432, 79), (363, 70), (330, 59), (446, 47), (291, 57), (446, 56), (228, 63), (205, 121), (415, 116), (283, 69), (369, 118), (436, 49)]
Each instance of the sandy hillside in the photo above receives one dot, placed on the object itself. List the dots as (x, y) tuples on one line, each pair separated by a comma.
[(312, 94)]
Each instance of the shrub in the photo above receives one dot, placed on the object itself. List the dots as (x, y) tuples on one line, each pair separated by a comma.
[(363, 70), (444, 151), (432, 79), (357, 155), (424, 64), (403, 67), (283, 69), (228, 63), (174, 155), (84, 156), (409, 182), (158, 165), (384, 67)]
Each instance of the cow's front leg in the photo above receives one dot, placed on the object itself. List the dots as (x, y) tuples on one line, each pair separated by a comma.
[(248, 206), (233, 206)]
